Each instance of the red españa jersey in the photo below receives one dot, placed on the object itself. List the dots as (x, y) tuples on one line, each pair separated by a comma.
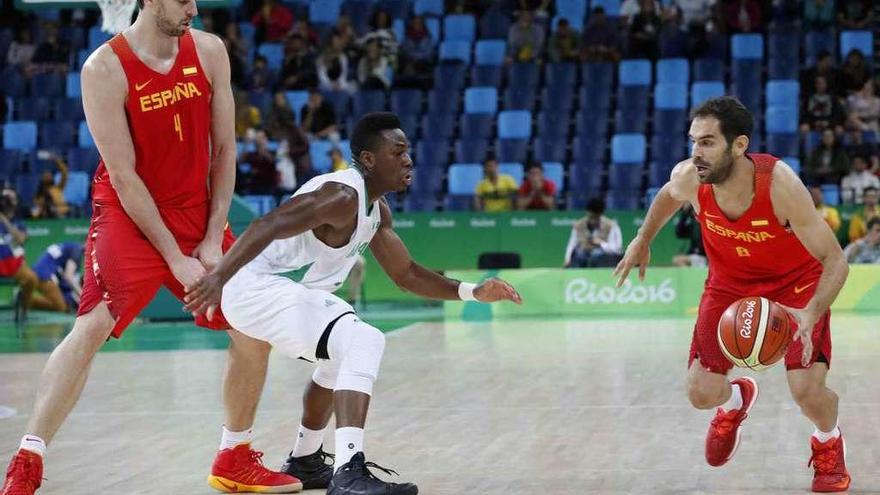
[(754, 252), (169, 116)]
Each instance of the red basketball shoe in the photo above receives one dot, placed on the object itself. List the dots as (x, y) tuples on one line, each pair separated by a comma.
[(829, 465), (723, 437), (240, 470), (24, 475)]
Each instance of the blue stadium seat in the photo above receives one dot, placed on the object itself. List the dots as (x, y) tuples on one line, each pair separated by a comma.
[(585, 176), (49, 84), (557, 100), (513, 169), (782, 120), (57, 136), (703, 90), (481, 99), (431, 153), (366, 101), (97, 37), (623, 200), (83, 159), (857, 40), (749, 93), (831, 194), (586, 149), (398, 9), (72, 88), (673, 70), (755, 142), (444, 101), (459, 27), (625, 176), (428, 180), (412, 203), (456, 51), (782, 144), (591, 124), (324, 12), (274, 53), (671, 96), (549, 149), (449, 76), (260, 203), (471, 150), (10, 163), (747, 46), (522, 76), (612, 7), (794, 163), (76, 191), (26, 187), (464, 177), (658, 173), (784, 44), (486, 75), (783, 68), (494, 25), (409, 124), (339, 100), (670, 121), (9, 105), (515, 124), (319, 150), (13, 82), (668, 148), (512, 150), (635, 72), (552, 124), (296, 100), (437, 125), (81, 57), (631, 120), (519, 98), (428, 7), (406, 102), (573, 10), (816, 42), (458, 202), (555, 172), (261, 99), (628, 148), (20, 135), (490, 52), (69, 109), (477, 125), (708, 69), (560, 77), (36, 108), (595, 99), (783, 93), (596, 75)]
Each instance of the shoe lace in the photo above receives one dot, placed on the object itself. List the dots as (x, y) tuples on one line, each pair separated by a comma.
[(325, 455), (374, 465), (724, 422), (824, 459), (256, 456)]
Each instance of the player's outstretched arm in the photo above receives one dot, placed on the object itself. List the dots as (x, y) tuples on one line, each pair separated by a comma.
[(410, 276), (104, 89), (682, 186), (332, 204), (792, 202)]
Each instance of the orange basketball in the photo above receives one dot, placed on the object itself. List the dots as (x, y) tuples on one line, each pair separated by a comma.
[(754, 332)]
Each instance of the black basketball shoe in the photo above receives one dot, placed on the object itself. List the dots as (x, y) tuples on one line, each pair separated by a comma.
[(312, 469), (355, 479)]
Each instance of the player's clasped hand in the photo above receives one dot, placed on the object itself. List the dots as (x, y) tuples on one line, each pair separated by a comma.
[(187, 270), (495, 289), (638, 254), (203, 297), (806, 321)]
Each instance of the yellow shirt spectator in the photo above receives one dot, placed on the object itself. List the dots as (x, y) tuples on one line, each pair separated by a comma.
[(497, 195), (831, 216), (858, 224)]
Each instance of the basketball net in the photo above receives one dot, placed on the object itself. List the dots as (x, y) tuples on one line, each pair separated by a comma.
[(116, 14)]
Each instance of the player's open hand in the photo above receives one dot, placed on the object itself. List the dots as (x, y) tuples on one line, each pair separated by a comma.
[(187, 270), (638, 253), (806, 321), (494, 290), (203, 297)]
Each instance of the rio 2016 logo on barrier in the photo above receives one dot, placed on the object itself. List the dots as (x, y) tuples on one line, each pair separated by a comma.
[(582, 291)]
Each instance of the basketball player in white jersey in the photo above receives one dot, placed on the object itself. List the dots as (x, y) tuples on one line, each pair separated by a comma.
[(323, 229)]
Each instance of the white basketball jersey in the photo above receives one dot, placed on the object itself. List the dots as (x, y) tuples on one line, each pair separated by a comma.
[(326, 267)]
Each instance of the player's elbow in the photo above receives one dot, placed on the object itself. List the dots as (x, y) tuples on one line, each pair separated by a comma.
[(123, 180)]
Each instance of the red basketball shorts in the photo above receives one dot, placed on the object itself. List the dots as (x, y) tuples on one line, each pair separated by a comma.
[(123, 269), (704, 345)]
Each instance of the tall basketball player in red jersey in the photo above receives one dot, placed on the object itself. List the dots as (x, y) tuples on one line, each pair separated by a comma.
[(158, 102), (762, 237)]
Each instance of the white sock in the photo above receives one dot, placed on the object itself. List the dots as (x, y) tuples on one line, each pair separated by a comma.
[(349, 441), (736, 399), (307, 441), (824, 437), (232, 438), (33, 444)]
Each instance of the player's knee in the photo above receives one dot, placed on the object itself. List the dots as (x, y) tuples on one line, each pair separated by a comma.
[(359, 363), (702, 396), (808, 394)]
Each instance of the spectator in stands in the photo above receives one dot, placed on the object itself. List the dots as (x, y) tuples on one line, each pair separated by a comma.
[(828, 162), (525, 40), (319, 118), (828, 213), (280, 120), (855, 14), (595, 239), (344, 30), (742, 16), (536, 192), (383, 35), (866, 249), (337, 161), (565, 43), (299, 64), (333, 67), (853, 186), (49, 200), (644, 32), (21, 50), (303, 28), (12, 237), (822, 110), (416, 57), (52, 55), (854, 73), (262, 176), (237, 49), (859, 220), (856, 145), (818, 15), (600, 39), (824, 67), (496, 191), (688, 227), (374, 68), (273, 21), (864, 109), (247, 116), (261, 77), (629, 8)]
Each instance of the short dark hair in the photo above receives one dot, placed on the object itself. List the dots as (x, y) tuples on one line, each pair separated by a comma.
[(368, 130), (869, 188), (872, 222), (734, 118), (537, 165), (596, 205)]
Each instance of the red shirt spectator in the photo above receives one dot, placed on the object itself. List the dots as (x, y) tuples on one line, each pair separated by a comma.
[(536, 192), (272, 21)]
